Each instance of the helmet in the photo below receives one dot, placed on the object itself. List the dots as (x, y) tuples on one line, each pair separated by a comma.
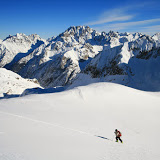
[(116, 130)]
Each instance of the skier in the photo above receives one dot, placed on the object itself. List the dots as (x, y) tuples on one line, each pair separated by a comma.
[(118, 135)]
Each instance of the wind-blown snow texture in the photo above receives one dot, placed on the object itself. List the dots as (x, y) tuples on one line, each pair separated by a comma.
[(81, 55), (71, 124)]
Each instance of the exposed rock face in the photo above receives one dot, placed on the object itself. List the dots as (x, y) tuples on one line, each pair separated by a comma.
[(79, 52), (13, 48)]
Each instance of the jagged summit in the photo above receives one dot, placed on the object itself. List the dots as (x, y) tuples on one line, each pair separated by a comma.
[(51, 39), (156, 36), (79, 30), (21, 37), (113, 34), (15, 47), (81, 52), (77, 33)]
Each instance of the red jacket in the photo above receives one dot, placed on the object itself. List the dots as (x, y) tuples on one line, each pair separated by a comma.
[(118, 134)]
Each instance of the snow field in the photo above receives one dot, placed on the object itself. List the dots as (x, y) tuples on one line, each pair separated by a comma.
[(64, 125)]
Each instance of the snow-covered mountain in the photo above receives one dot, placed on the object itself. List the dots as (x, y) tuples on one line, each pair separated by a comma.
[(81, 55), (156, 36), (134, 64), (13, 84), (57, 63), (13, 48)]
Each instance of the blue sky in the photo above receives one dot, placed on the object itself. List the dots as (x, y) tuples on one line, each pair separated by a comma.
[(51, 17)]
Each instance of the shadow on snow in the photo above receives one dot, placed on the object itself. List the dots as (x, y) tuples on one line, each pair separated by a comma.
[(36, 90)]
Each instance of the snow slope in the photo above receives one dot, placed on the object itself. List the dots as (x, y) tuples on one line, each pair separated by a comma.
[(66, 125), (12, 84)]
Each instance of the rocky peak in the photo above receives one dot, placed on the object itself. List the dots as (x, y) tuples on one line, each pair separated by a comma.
[(79, 49), (21, 38), (34, 37), (103, 33), (156, 36), (51, 39), (113, 34), (79, 31)]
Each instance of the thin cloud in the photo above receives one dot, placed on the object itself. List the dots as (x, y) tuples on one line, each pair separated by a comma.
[(113, 15), (156, 27), (127, 24), (110, 19), (122, 26), (124, 19), (150, 30)]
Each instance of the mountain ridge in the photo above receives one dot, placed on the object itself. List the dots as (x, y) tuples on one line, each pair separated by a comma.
[(80, 51)]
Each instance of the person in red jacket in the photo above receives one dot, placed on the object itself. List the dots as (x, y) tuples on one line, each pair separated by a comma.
[(118, 135)]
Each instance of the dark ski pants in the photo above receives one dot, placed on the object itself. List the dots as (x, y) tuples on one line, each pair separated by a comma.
[(118, 138)]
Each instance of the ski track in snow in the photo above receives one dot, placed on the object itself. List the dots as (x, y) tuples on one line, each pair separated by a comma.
[(112, 150), (111, 153), (45, 123)]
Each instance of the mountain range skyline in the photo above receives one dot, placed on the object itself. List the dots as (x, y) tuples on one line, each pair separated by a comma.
[(81, 55), (49, 18), (53, 36)]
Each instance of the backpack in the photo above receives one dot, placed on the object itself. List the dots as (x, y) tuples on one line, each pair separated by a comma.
[(120, 134)]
